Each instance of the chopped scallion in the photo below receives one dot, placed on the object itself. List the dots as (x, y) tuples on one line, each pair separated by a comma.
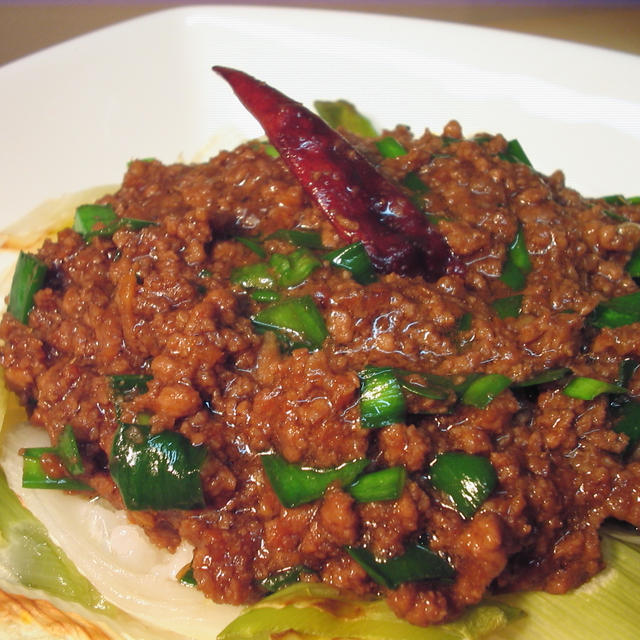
[(617, 312), (355, 259), (515, 153), (299, 238), (468, 479), (254, 245), (550, 375), (413, 181), (588, 388), (28, 279), (390, 148), (385, 484), (295, 485), (483, 389), (35, 477), (102, 216), (254, 276), (130, 382), (156, 471), (284, 578), (418, 562), (382, 401), (508, 307), (340, 113), (293, 268), (297, 322)]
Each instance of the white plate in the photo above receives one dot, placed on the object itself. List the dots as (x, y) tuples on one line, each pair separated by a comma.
[(74, 114)]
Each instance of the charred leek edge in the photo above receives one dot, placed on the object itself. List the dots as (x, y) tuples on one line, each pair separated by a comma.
[(319, 611)]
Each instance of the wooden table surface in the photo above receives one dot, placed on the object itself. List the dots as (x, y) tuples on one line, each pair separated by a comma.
[(26, 27)]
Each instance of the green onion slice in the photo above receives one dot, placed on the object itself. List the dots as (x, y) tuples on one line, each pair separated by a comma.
[(254, 276), (28, 279), (295, 485), (515, 153), (468, 479), (130, 383), (186, 576), (88, 216), (382, 401), (253, 244), (159, 471), (418, 562), (508, 307), (483, 389), (293, 268), (390, 148), (297, 322), (265, 295), (35, 477), (414, 182), (284, 578), (588, 388), (517, 264), (617, 312), (386, 484), (633, 265), (341, 113), (464, 322), (628, 422), (299, 238), (550, 375), (355, 259)]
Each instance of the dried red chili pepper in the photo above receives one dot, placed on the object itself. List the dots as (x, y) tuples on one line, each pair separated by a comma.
[(362, 204)]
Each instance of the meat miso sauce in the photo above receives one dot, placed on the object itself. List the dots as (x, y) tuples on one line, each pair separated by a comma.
[(206, 350)]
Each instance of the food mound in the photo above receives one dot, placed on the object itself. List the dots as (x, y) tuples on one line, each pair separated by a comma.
[(206, 350)]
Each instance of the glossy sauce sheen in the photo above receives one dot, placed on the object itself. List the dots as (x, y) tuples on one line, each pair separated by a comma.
[(159, 301)]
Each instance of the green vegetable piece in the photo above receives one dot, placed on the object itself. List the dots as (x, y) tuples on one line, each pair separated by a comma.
[(381, 399), (284, 578), (28, 279), (483, 389), (616, 199), (616, 217), (160, 471), (355, 259), (317, 610), (29, 556), (270, 150), (390, 148), (468, 479), (254, 245), (413, 181), (515, 153), (186, 577), (508, 307), (550, 375), (464, 322), (254, 276), (294, 268), (35, 477), (299, 238), (588, 388), (633, 265), (265, 295), (518, 263), (616, 312), (386, 484), (88, 216), (418, 562), (340, 113), (295, 485), (129, 383), (296, 321), (629, 423)]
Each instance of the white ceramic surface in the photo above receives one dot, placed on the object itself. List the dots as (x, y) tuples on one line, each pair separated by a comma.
[(72, 116)]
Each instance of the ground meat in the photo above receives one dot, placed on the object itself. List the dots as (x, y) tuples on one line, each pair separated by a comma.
[(163, 301)]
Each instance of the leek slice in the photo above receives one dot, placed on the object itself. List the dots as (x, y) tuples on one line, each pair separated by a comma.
[(604, 607), (317, 610)]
